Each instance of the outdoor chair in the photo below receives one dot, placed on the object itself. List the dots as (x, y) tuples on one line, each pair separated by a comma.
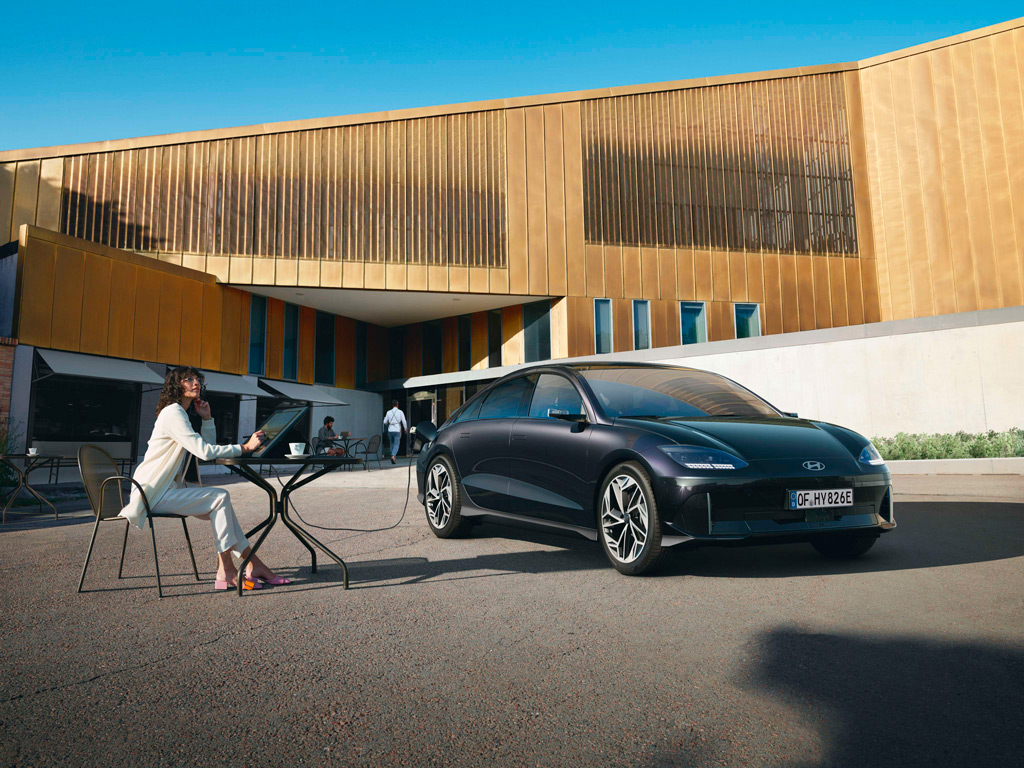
[(370, 452), (103, 487)]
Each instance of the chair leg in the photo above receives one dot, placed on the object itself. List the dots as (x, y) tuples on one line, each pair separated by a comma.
[(156, 561), (190, 553), (124, 546), (89, 553)]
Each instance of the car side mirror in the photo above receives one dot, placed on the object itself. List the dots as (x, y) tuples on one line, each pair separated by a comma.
[(558, 413), (791, 415), (424, 432)]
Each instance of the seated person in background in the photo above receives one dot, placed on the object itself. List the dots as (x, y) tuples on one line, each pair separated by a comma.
[(325, 438)]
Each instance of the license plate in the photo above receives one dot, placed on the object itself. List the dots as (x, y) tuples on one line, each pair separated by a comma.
[(834, 497)]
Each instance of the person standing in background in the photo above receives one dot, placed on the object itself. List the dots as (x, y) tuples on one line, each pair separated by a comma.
[(396, 426)]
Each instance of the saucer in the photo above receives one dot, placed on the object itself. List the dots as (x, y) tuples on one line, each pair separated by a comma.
[(296, 455)]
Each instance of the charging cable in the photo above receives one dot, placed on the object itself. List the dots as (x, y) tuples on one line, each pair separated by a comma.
[(408, 488)]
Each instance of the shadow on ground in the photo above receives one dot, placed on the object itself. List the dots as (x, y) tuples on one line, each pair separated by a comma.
[(929, 535)]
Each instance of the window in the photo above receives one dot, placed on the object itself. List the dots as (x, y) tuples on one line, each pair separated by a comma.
[(291, 341), (693, 323), (554, 393), (323, 361), (76, 409), (494, 338), (537, 331), (431, 347), (504, 400), (257, 334), (602, 326), (748, 321), (641, 324), (471, 412), (465, 343), (225, 413), (671, 393)]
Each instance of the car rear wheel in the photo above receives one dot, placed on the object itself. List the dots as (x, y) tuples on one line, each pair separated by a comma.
[(844, 546), (629, 523), (442, 500)]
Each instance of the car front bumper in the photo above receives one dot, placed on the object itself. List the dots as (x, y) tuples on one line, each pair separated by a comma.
[(731, 509)]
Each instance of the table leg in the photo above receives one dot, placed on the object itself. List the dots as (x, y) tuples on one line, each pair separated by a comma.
[(290, 525), (240, 578), (304, 534), (14, 493)]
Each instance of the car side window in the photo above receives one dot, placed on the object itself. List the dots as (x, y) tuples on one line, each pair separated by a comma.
[(504, 400), (555, 394), (471, 412)]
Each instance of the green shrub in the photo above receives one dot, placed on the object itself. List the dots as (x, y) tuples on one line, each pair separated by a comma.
[(962, 445)]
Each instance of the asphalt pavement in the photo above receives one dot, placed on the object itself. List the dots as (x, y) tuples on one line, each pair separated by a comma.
[(513, 647)]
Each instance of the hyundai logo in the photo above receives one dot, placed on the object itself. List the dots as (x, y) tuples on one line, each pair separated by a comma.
[(814, 466)]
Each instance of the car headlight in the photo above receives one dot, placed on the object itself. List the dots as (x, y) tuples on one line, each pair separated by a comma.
[(870, 455), (693, 457)]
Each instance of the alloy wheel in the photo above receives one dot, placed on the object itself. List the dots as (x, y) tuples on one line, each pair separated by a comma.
[(624, 518), (439, 496)]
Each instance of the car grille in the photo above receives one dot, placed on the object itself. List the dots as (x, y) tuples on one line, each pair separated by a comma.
[(770, 502)]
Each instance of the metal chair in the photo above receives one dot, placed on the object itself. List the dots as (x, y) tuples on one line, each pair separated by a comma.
[(103, 487), (370, 452)]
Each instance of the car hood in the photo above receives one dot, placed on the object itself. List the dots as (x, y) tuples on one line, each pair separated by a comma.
[(750, 439)]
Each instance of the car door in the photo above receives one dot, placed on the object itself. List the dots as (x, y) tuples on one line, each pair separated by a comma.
[(548, 456), (481, 444)]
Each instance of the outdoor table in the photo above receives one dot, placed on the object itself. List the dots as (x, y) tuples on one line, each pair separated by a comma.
[(33, 461), (243, 466), (347, 443)]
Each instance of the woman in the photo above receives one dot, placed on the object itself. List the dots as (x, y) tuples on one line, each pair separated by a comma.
[(162, 470)]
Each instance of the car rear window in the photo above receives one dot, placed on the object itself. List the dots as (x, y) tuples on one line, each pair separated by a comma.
[(504, 400), (668, 393)]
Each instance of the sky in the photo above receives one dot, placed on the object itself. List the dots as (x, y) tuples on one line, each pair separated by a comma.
[(90, 72)]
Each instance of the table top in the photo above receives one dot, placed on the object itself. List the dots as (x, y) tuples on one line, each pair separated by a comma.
[(319, 459), (33, 456)]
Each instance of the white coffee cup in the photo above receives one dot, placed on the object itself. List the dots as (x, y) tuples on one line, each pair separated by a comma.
[(297, 448), (32, 451)]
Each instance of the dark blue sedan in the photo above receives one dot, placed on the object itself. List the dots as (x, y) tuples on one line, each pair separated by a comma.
[(646, 457)]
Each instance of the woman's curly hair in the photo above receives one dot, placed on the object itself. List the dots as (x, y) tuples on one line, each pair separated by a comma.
[(173, 389)]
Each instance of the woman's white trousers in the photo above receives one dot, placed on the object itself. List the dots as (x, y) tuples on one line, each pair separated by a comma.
[(215, 502)]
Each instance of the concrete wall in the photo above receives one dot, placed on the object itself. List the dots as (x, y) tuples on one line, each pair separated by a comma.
[(958, 372)]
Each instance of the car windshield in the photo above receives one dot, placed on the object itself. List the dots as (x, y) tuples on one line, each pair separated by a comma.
[(671, 393)]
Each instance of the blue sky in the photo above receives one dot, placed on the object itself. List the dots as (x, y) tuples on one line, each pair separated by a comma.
[(88, 72)]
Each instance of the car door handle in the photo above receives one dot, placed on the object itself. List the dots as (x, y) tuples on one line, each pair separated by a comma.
[(518, 437), (464, 434)]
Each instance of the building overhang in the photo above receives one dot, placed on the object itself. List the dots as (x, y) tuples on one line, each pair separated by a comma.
[(389, 308)]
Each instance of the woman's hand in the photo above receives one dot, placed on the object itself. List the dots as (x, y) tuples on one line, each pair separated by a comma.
[(257, 439), (202, 409)]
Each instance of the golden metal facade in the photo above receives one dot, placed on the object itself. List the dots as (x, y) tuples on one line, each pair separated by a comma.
[(428, 191), (759, 166), (944, 140)]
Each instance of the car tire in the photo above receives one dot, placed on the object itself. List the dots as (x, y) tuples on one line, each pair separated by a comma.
[(844, 546), (442, 500), (618, 536)]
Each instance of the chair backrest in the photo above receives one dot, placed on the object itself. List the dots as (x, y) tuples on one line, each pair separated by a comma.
[(374, 444), (314, 443), (95, 465)]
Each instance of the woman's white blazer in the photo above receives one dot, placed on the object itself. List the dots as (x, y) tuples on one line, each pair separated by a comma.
[(163, 466)]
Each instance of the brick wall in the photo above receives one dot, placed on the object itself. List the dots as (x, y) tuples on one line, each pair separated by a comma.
[(6, 376)]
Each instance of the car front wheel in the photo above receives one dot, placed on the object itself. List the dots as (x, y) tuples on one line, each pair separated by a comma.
[(844, 546), (630, 526), (443, 500)]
